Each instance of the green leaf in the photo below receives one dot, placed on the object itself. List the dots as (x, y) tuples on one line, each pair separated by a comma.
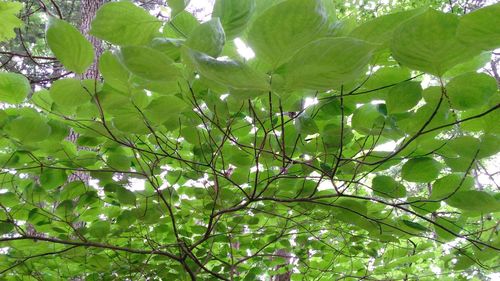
[(13, 87), (125, 196), (327, 63), (387, 187), (6, 227), (148, 63), (72, 190), (448, 224), (70, 92), (114, 73), (118, 161), (471, 90), (177, 6), (380, 29), (415, 225), (474, 200), (233, 74), (422, 169), (8, 12), (181, 25), (165, 107), (285, 28), (207, 38), (428, 42), (480, 28), (368, 119), (28, 128), (123, 23), (234, 15), (448, 185), (71, 48), (423, 207), (52, 178), (99, 229), (403, 97)]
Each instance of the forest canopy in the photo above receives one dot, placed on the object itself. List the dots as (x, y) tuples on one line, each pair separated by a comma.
[(265, 140)]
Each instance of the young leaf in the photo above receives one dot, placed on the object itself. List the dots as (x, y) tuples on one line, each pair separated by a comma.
[(8, 11)]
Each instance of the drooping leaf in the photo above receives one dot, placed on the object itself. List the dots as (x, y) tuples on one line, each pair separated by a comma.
[(230, 73), (71, 48), (70, 92), (123, 23), (165, 107)]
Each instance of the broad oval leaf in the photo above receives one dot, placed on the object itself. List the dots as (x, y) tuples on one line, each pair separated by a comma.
[(71, 48), (481, 28), (123, 23), (70, 92), (422, 169), (427, 42), (403, 97), (474, 200), (471, 90), (148, 63), (14, 87), (387, 187), (286, 27), (327, 63)]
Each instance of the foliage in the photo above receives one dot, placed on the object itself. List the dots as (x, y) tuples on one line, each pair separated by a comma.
[(205, 165)]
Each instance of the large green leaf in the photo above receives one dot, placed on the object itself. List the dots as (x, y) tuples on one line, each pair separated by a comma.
[(233, 74), (8, 11), (70, 92), (428, 42), (474, 200), (114, 73), (181, 25), (70, 47), (207, 38), (285, 28), (448, 185), (403, 97), (234, 15), (368, 119), (327, 63), (422, 169), (13, 87), (28, 128), (481, 28), (471, 90), (387, 187), (165, 107), (380, 29), (148, 63), (123, 23)]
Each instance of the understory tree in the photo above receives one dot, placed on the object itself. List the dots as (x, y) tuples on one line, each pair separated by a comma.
[(276, 140)]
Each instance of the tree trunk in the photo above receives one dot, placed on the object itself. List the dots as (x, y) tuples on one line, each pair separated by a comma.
[(88, 9)]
